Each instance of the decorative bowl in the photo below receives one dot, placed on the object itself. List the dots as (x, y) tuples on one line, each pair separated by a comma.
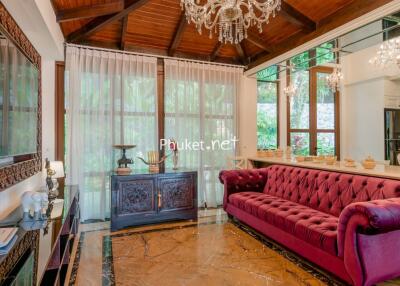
[(279, 153), (260, 153), (330, 160), (269, 153), (368, 164), (319, 159)]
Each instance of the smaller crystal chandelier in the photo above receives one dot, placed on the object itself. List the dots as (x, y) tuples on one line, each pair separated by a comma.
[(333, 80), (230, 18), (290, 91), (388, 54)]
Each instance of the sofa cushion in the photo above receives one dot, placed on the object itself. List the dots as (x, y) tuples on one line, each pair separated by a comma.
[(325, 191), (315, 227)]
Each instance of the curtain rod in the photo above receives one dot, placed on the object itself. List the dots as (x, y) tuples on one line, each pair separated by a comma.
[(151, 55)]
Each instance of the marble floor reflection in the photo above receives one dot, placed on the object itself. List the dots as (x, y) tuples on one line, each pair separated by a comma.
[(211, 251)]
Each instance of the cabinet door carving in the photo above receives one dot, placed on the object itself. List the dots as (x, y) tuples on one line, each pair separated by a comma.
[(136, 197), (176, 193), (144, 198)]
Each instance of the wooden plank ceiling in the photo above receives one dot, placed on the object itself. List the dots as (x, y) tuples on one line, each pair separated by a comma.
[(159, 27)]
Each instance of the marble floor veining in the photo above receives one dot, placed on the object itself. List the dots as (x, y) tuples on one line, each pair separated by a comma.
[(211, 251)]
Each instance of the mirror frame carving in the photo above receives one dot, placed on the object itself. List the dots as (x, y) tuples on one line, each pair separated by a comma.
[(30, 164)]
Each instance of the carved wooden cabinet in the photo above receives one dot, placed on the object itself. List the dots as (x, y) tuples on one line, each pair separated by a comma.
[(144, 198)]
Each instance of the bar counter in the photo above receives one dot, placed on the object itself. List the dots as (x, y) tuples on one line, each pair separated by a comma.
[(383, 171)]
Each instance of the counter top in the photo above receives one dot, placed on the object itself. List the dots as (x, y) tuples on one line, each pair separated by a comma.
[(383, 171)]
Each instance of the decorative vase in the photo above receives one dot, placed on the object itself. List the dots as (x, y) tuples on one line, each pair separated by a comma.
[(175, 160)]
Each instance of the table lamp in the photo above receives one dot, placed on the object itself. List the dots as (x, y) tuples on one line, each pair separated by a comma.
[(54, 170)]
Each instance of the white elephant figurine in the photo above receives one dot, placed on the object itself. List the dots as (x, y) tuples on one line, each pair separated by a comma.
[(36, 201)]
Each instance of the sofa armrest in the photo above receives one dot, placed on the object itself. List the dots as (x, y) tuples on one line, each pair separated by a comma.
[(372, 217), (235, 181)]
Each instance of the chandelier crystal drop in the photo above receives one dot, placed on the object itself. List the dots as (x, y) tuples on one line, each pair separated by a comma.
[(290, 90), (230, 18), (333, 80), (388, 54)]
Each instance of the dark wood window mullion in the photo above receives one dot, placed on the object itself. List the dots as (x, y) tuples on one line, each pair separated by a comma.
[(313, 111)]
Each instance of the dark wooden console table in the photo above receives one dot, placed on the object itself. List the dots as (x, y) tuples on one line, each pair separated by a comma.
[(144, 198), (47, 264)]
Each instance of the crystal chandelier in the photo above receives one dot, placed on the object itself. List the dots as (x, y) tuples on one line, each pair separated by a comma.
[(388, 54), (333, 80), (290, 90), (230, 18)]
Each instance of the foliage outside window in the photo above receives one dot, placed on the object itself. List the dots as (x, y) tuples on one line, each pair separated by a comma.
[(300, 134), (267, 108), (324, 54)]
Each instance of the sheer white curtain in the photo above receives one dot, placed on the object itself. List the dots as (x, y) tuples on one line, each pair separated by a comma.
[(201, 106), (111, 98)]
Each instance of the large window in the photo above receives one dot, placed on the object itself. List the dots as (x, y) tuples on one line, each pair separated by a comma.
[(267, 108), (109, 99), (200, 106), (313, 113)]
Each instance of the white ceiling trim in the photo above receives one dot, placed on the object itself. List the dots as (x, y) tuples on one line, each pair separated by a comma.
[(374, 15)]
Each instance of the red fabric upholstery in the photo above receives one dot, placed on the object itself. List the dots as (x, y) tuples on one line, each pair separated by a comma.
[(377, 216), (328, 210), (312, 226), (329, 192), (242, 181)]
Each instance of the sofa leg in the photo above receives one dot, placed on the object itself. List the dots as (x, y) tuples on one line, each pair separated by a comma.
[(230, 216)]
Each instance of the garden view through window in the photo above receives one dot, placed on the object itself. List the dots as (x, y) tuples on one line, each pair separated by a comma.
[(267, 108), (312, 110)]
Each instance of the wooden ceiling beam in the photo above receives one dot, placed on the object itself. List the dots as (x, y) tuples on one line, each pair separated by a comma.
[(123, 32), (355, 9), (257, 41), (241, 53), (176, 39), (90, 11), (215, 51), (101, 21), (296, 17)]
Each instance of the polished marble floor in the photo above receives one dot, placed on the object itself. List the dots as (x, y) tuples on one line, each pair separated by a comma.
[(211, 251)]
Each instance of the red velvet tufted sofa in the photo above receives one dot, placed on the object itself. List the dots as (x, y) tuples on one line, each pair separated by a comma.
[(347, 224)]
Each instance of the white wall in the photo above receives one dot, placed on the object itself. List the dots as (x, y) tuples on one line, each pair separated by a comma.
[(39, 25), (363, 103), (363, 120), (248, 117)]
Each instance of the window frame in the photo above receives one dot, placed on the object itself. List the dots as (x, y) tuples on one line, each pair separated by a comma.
[(312, 129)]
